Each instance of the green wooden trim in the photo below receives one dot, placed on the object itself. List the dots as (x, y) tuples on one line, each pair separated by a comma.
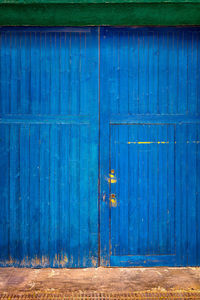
[(95, 1), (126, 14)]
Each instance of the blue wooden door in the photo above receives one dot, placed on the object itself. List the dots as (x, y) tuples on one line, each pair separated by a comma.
[(144, 85), (49, 147), (149, 151)]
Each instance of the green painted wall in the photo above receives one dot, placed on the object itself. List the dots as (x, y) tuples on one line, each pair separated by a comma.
[(63, 13)]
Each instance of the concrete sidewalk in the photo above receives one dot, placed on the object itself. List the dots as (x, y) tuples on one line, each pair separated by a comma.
[(100, 281)]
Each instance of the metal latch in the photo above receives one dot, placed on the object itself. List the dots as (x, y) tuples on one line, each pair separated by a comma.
[(113, 200)]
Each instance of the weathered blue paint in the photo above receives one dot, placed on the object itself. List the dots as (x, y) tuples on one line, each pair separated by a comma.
[(49, 147), (55, 84), (150, 122)]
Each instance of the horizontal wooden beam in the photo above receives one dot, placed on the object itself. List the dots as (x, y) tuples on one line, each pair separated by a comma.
[(142, 260), (154, 119), (42, 119)]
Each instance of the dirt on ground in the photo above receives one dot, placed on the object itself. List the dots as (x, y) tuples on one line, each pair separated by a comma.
[(99, 279)]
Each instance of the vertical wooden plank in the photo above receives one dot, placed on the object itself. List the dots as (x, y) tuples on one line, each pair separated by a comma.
[(156, 166), (133, 189), (114, 208), (74, 197), (45, 73), (105, 70), (84, 195), (4, 192), (58, 212), (148, 211), (5, 72), (198, 193), (133, 71), (93, 89), (69, 102), (160, 192), (182, 206), (35, 73), (44, 194), (123, 191), (140, 187), (48, 76), (64, 194), (24, 192), (178, 207), (123, 72), (115, 67), (55, 73), (173, 72), (75, 79), (83, 70), (54, 103), (165, 164), (192, 73), (185, 192), (24, 83), (198, 72), (34, 194), (143, 186), (54, 194), (143, 72), (191, 195), (163, 72), (2, 187), (153, 179), (170, 189), (162, 186), (24, 149), (64, 69), (32, 73), (144, 182), (182, 72), (18, 71), (146, 193), (14, 193), (13, 73), (153, 71)]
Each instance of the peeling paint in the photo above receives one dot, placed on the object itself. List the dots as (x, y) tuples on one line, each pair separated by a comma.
[(59, 260)]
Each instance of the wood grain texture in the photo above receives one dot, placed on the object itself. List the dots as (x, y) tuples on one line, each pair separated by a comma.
[(49, 148), (151, 132)]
